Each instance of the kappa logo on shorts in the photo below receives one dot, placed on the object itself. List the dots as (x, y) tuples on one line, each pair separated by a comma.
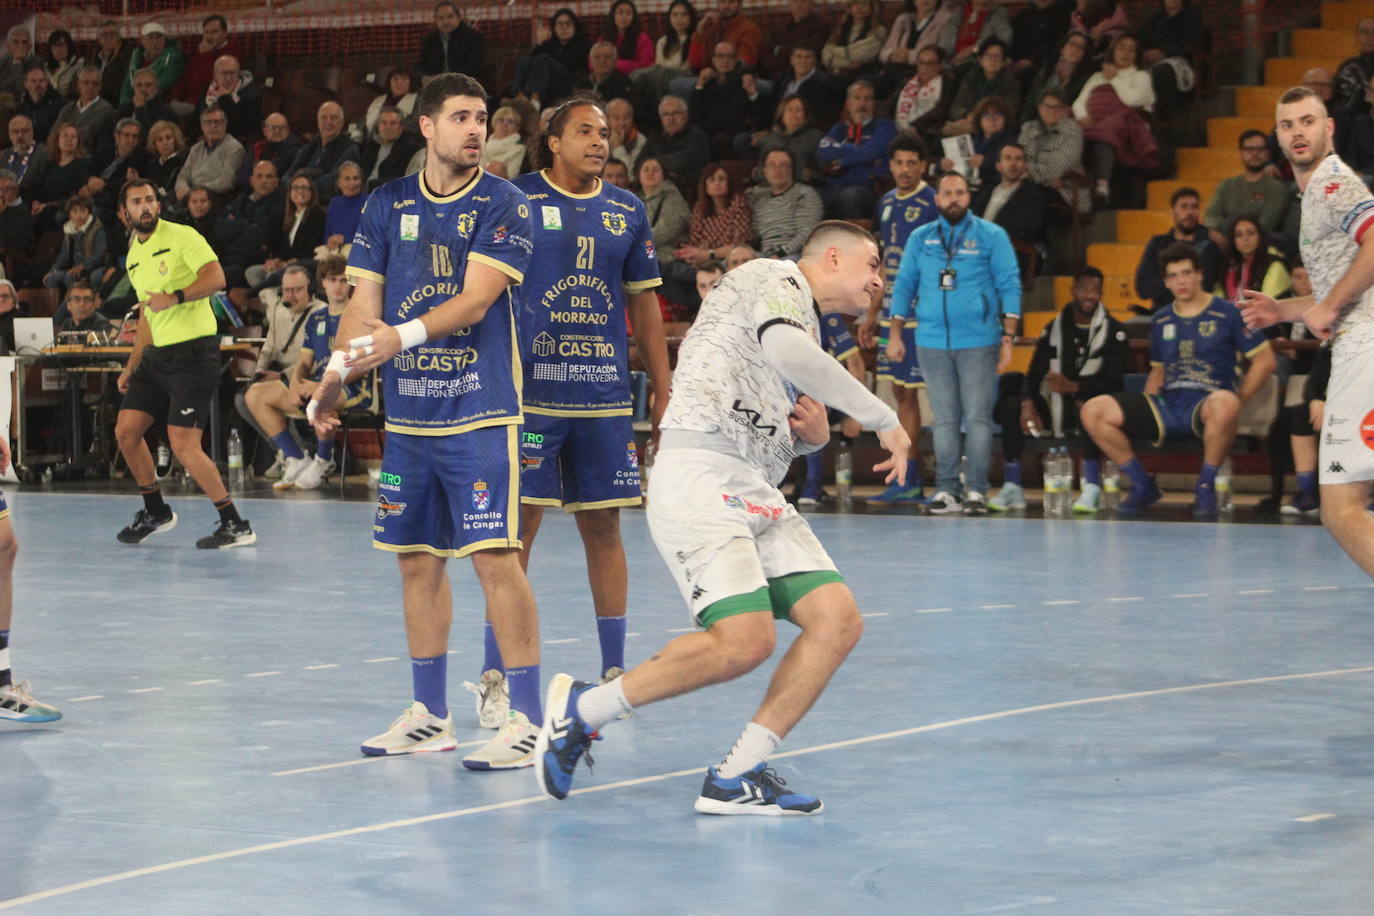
[(752, 508), (632, 456), (386, 508), (1335, 467), (481, 496)]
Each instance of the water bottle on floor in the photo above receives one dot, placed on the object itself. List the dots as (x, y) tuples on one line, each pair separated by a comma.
[(1223, 486), (235, 452), (1111, 485), (844, 473), (1054, 483)]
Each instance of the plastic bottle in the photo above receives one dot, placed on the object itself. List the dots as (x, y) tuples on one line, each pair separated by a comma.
[(1111, 485), (235, 452), (164, 460), (1058, 475), (844, 472), (1223, 487)]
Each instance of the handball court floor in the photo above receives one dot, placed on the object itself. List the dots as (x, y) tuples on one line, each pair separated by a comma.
[(1065, 717)]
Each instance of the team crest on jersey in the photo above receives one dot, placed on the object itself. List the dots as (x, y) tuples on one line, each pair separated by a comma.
[(466, 223), (553, 217), (386, 508), (911, 214), (1206, 328), (162, 267), (615, 223), (632, 456), (481, 496), (410, 227), (543, 344)]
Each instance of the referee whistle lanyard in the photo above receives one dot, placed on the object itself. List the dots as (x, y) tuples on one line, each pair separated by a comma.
[(952, 243)]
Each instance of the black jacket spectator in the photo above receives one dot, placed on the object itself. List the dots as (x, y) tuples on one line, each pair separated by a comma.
[(113, 169), (1149, 276), (164, 174), (1036, 32), (1023, 213), (43, 111), (811, 30), (615, 85), (722, 107), (16, 238), (114, 69), (393, 165), (1115, 355), (243, 107), (1164, 36), (309, 236), (464, 52), (148, 114), (323, 159), (1355, 142), (818, 90), (253, 224), (281, 153), (683, 155)]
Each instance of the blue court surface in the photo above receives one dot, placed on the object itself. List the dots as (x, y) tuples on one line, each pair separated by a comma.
[(1059, 717)]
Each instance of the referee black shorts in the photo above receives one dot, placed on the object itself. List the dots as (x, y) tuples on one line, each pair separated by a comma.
[(177, 382)]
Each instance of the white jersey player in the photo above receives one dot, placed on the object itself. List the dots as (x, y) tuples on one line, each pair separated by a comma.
[(1337, 248), (749, 394)]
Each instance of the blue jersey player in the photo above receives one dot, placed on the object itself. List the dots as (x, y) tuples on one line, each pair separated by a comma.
[(1195, 342), (595, 267), (436, 262), (909, 205), (839, 343)]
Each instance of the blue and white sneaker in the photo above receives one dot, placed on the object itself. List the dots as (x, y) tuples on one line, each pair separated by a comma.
[(565, 737), (759, 791), (812, 494), (1136, 501), (18, 705), (1302, 504), (898, 495)]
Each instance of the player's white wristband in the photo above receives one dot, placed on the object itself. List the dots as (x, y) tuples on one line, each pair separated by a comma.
[(412, 333), (336, 365)]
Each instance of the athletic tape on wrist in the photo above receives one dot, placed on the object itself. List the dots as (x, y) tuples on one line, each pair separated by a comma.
[(412, 333)]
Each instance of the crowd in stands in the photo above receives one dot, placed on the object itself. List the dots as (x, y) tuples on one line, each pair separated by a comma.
[(738, 134)]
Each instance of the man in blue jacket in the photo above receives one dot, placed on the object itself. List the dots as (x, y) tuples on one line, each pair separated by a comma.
[(960, 274), (854, 153)]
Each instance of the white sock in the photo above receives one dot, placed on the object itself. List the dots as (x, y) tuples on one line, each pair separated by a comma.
[(754, 746), (602, 704)]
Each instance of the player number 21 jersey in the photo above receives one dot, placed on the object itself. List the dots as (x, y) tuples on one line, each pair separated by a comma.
[(591, 249)]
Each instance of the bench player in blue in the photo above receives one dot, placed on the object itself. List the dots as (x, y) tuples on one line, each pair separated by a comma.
[(595, 266), (839, 343), (1191, 390), (909, 205), (436, 264)]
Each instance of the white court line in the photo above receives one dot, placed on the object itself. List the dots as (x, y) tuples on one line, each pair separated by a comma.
[(1057, 603), (355, 762), (262, 674), (384, 658), (1313, 818), (211, 680), (1320, 588), (994, 607), (628, 635), (934, 610), (1193, 595), (147, 689), (682, 630), (1127, 598), (560, 642), (318, 667), (1255, 591), (94, 696), (626, 783), (875, 614)]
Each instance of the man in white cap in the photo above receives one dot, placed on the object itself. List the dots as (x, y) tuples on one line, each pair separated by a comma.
[(157, 53)]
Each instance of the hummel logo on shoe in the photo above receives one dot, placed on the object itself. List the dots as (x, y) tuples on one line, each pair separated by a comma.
[(1336, 468)]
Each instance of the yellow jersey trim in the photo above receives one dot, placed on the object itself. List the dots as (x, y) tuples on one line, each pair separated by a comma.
[(362, 273), (594, 412), (488, 544), (505, 268), (544, 174), (541, 501), (435, 198), (394, 427), (639, 286), (1263, 345), (1159, 419), (604, 504)]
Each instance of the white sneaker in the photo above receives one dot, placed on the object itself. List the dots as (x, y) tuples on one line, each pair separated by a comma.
[(415, 731), (274, 471), (944, 503), (1090, 500), (1008, 499), (293, 468), (18, 705), (511, 749), (493, 698), (313, 474)]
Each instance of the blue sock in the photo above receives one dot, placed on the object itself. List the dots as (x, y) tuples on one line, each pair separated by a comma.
[(287, 445), (814, 467), (491, 652), (1208, 476), (430, 677), (1011, 472), (324, 450), (524, 692), (611, 632), (1135, 472), (913, 473), (1092, 470), (1307, 483)]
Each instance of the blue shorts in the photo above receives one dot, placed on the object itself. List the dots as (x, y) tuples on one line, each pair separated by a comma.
[(579, 462), (449, 495), (907, 373), (4, 506), (1172, 414)]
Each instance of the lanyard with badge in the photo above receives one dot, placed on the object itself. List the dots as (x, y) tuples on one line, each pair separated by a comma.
[(949, 275)]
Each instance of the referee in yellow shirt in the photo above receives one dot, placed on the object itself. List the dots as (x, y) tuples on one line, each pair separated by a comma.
[(175, 368)]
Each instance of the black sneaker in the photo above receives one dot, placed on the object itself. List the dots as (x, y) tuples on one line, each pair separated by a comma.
[(974, 504), (229, 534), (144, 525)]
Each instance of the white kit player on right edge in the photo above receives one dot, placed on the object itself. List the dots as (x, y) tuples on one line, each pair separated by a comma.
[(748, 395), (1337, 249)]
